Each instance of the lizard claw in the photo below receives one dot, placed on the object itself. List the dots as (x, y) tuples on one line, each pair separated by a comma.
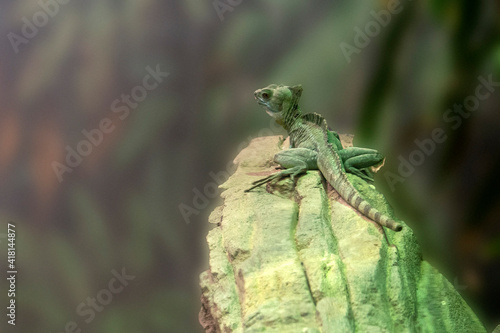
[(273, 177)]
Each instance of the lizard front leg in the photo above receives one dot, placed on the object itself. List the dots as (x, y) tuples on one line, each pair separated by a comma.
[(295, 161)]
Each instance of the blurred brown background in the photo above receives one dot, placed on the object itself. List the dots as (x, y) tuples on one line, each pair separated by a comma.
[(133, 202)]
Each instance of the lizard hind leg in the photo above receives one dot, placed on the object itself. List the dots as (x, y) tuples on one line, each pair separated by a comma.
[(360, 161)]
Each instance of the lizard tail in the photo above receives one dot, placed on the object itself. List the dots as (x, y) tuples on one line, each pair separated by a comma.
[(355, 200), (332, 168)]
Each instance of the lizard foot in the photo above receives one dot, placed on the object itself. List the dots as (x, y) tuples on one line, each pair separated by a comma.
[(274, 177)]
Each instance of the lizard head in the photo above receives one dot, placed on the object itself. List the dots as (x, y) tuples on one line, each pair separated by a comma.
[(278, 100)]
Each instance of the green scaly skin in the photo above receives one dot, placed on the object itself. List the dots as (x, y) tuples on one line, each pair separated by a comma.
[(310, 149)]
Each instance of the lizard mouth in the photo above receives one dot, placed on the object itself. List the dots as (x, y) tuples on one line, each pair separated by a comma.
[(260, 100), (265, 103)]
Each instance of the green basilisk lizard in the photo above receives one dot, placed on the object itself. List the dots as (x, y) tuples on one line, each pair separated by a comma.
[(313, 147)]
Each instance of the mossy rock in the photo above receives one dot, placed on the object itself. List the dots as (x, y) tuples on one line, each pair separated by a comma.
[(287, 258)]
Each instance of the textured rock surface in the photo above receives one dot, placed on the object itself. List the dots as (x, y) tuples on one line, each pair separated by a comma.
[(286, 259)]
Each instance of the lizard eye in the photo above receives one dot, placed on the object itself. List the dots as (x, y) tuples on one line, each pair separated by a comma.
[(265, 95)]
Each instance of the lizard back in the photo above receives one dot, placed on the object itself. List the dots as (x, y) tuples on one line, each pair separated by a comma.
[(312, 133)]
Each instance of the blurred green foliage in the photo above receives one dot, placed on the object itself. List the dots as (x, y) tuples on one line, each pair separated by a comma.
[(120, 206)]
